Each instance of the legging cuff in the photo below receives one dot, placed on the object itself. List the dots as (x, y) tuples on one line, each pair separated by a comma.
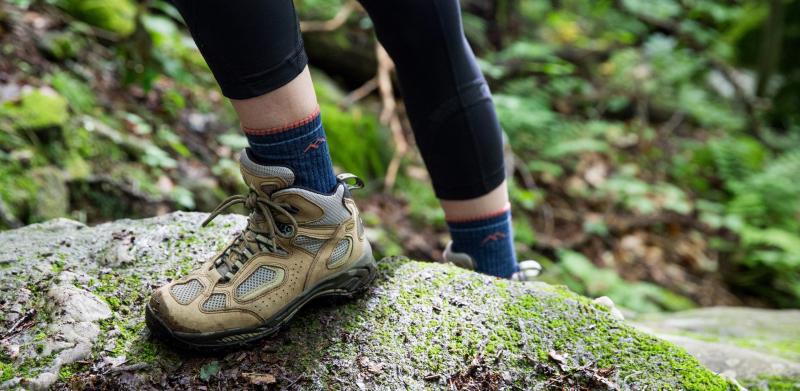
[(267, 80)]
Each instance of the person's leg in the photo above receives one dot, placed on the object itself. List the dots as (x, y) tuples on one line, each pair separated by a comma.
[(303, 237), (454, 122), (256, 53)]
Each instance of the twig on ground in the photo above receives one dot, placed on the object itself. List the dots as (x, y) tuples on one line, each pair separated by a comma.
[(673, 123), (389, 115), (360, 92), (529, 182), (131, 367), (24, 319)]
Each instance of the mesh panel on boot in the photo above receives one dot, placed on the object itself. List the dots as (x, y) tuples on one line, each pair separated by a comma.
[(339, 252), (335, 212), (215, 302), (262, 276), (187, 292), (308, 243)]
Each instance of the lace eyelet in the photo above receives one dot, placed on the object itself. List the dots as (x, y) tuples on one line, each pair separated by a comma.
[(286, 231)]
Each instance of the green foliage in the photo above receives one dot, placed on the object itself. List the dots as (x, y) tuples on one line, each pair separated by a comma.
[(616, 110), (174, 53), (117, 16), (62, 45), (78, 95), (761, 204), (580, 275), (355, 137), (639, 196), (423, 206), (318, 9), (653, 126)]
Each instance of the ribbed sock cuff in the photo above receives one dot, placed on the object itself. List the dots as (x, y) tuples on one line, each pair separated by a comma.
[(302, 147), (489, 242)]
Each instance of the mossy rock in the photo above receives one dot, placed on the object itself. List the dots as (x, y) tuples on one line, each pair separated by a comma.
[(751, 344), (117, 16), (52, 196), (36, 109), (421, 325)]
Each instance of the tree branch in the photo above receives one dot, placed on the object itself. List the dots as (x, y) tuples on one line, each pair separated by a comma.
[(331, 24)]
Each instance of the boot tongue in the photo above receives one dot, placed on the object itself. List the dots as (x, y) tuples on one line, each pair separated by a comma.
[(264, 179)]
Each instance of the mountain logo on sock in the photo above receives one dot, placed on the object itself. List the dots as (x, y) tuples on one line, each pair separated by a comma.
[(493, 237), (314, 144)]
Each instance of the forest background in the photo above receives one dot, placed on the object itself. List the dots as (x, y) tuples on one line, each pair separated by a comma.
[(656, 144)]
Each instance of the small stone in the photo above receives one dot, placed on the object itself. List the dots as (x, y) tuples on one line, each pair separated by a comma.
[(370, 366), (41, 382), (606, 301), (76, 304)]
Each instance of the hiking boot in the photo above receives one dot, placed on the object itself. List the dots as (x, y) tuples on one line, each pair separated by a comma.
[(298, 245), (528, 270)]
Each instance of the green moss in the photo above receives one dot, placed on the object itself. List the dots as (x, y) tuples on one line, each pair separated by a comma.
[(602, 339), (39, 108), (57, 265), (772, 383), (6, 371), (437, 320), (145, 351), (423, 206), (117, 16), (359, 140), (789, 349), (69, 370), (33, 366)]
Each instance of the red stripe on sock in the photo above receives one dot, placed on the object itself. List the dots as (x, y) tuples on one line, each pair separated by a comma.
[(484, 216), (278, 129)]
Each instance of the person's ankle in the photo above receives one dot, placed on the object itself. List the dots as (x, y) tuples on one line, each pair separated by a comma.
[(488, 240), (301, 146)]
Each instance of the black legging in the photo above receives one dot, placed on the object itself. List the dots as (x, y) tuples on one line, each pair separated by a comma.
[(255, 46)]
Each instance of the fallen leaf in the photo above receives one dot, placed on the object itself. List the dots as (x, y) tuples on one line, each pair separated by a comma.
[(559, 359), (261, 378), (209, 370)]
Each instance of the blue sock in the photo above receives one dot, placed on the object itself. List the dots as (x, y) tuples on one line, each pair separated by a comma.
[(302, 147), (489, 242)]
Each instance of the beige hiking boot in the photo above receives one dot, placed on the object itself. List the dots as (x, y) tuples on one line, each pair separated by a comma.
[(298, 245)]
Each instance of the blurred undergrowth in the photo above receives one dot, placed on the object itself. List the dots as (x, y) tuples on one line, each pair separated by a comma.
[(657, 148)]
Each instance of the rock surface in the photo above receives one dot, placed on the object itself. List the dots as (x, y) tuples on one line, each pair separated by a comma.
[(72, 299), (743, 343)]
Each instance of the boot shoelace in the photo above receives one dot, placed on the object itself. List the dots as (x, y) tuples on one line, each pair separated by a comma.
[(239, 251)]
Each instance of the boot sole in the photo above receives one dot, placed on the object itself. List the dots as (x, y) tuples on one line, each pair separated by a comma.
[(346, 284)]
